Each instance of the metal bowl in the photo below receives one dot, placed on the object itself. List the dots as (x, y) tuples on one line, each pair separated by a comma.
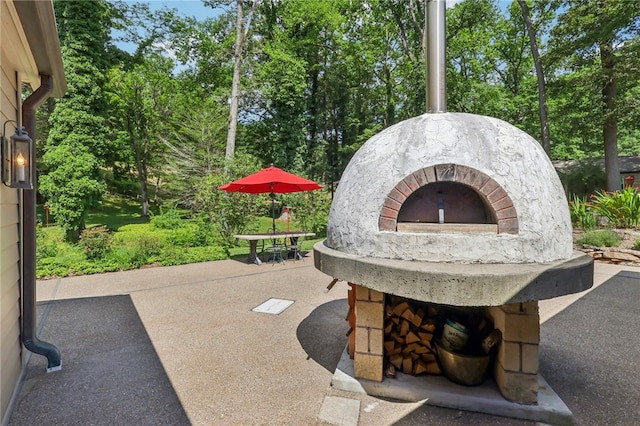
[(463, 369)]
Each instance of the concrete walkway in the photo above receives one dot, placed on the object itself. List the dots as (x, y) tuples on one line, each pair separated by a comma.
[(182, 345)]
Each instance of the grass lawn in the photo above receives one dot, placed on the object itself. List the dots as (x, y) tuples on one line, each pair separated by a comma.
[(114, 212)]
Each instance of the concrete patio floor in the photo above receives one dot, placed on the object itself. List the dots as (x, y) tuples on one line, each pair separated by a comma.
[(181, 345)]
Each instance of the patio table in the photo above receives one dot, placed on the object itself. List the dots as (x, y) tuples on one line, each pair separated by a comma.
[(254, 238)]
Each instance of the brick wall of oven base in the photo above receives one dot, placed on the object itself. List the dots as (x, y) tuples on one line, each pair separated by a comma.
[(516, 361), (516, 366), (368, 356)]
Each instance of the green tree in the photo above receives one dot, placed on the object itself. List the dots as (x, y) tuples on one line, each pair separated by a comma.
[(194, 146), (590, 42), (71, 186), (229, 213), (545, 138), (77, 143), (141, 100)]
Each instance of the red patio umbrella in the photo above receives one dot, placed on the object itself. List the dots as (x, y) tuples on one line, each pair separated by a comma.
[(271, 180)]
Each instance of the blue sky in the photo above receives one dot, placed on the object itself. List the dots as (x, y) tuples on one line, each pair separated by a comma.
[(186, 8), (190, 8)]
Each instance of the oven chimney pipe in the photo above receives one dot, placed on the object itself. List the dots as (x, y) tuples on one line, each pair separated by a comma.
[(435, 53), (29, 337)]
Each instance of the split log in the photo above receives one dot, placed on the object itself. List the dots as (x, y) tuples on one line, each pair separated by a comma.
[(409, 330)]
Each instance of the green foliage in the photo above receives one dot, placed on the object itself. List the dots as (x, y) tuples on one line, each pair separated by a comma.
[(311, 210), (188, 236), (144, 250), (181, 256), (583, 179), (77, 143), (72, 186), (229, 213), (141, 98), (170, 219), (115, 211), (132, 246), (96, 242), (621, 208), (83, 29), (46, 243), (636, 244), (581, 213), (63, 264), (592, 49), (600, 238)]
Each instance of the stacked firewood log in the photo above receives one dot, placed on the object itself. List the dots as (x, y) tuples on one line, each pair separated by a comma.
[(408, 335)]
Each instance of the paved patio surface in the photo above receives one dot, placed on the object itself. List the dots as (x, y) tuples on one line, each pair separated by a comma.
[(181, 345)]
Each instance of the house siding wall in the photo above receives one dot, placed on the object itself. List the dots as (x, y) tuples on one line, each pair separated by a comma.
[(12, 60)]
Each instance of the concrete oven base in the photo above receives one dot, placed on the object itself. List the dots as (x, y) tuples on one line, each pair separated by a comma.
[(439, 391)]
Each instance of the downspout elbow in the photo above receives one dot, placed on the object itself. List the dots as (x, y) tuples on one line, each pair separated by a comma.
[(28, 332)]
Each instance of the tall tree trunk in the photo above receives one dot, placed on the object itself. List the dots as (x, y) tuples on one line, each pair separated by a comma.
[(141, 167), (542, 91), (142, 176), (610, 123), (235, 88)]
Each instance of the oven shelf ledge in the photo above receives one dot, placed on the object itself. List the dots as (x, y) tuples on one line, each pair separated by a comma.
[(459, 284)]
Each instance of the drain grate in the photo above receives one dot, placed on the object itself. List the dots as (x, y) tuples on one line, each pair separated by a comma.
[(273, 306)]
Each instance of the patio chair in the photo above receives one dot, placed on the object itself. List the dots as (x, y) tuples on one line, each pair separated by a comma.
[(294, 248), (273, 253)]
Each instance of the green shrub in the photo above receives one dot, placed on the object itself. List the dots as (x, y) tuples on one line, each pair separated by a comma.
[(172, 240), (63, 264), (621, 208), (145, 250), (229, 213), (581, 213), (46, 244), (96, 242), (636, 244), (149, 246), (180, 256), (311, 210), (207, 231), (171, 219), (600, 238), (73, 184), (187, 236), (584, 179), (124, 186)]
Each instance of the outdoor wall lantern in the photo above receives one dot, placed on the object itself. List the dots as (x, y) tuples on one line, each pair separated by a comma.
[(17, 159)]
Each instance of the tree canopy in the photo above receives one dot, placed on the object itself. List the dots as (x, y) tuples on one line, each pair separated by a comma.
[(317, 80)]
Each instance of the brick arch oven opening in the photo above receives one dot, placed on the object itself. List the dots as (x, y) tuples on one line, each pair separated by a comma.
[(446, 201), (448, 194)]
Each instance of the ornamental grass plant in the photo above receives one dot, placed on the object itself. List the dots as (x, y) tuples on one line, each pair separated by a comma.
[(617, 209), (620, 208)]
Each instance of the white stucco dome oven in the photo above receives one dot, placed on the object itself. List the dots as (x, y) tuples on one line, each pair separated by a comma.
[(453, 208), (460, 155)]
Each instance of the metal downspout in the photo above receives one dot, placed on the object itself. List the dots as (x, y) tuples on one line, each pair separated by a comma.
[(29, 338)]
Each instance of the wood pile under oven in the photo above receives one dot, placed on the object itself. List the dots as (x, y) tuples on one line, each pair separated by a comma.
[(409, 331)]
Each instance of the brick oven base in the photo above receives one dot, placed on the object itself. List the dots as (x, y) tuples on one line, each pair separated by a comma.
[(439, 391)]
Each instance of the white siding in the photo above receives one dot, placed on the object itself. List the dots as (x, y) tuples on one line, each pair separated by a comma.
[(11, 357)]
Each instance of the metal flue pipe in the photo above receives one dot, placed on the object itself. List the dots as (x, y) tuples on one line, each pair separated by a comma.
[(435, 52)]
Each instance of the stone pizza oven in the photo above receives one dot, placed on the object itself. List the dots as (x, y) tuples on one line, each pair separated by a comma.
[(457, 210), (504, 243)]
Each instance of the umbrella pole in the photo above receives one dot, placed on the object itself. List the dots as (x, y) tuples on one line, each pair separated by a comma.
[(273, 217)]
